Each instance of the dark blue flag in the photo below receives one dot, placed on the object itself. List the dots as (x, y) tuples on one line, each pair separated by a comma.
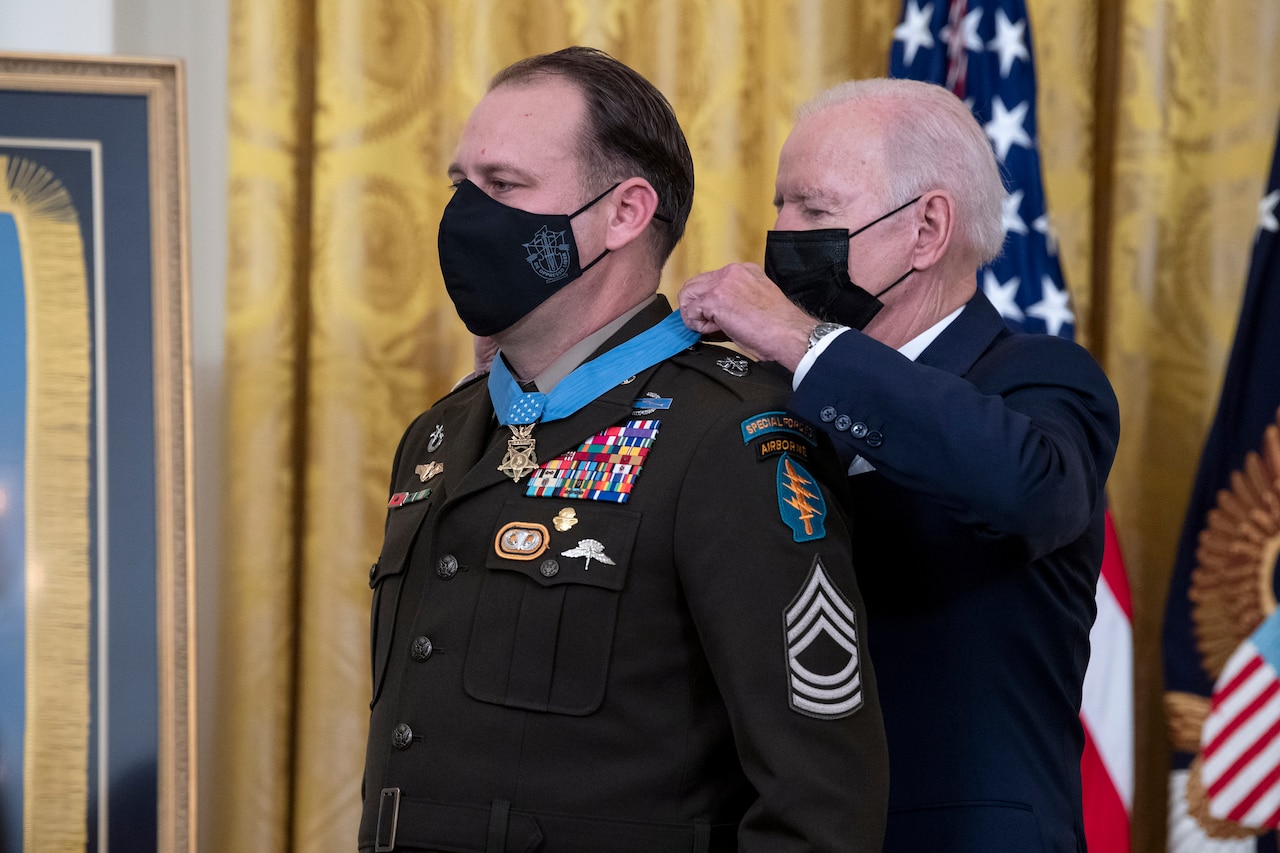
[(1223, 586), (981, 50)]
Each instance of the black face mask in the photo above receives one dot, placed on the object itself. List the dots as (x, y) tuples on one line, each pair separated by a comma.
[(499, 263), (812, 269)]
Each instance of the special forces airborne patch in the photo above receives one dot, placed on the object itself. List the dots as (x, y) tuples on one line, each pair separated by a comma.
[(822, 650)]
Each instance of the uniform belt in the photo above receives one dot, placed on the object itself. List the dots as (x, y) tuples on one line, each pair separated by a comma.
[(410, 824)]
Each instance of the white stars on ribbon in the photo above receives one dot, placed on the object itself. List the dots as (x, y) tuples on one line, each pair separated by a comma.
[(914, 32), (1006, 127), (1004, 296), (1267, 212), (1010, 218), (1009, 42), (1053, 308)]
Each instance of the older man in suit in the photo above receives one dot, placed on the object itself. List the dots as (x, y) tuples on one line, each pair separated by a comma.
[(977, 457)]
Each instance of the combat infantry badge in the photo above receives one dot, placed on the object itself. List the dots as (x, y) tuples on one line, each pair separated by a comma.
[(521, 458)]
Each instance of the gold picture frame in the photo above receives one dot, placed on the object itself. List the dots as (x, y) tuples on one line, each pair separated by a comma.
[(93, 163)]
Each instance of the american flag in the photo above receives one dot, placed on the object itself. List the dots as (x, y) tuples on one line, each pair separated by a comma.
[(981, 50), (1239, 760), (1240, 742)]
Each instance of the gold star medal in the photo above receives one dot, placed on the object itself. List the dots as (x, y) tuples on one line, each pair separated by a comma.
[(521, 457)]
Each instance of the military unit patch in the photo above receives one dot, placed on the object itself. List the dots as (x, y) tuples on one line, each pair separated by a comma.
[(800, 501), (767, 447), (402, 498), (825, 679), (603, 468), (769, 423)]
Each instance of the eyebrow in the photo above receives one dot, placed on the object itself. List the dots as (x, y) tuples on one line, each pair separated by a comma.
[(806, 195), (489, 170)]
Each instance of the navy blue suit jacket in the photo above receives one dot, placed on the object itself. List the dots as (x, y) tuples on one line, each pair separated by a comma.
[(978, 541)]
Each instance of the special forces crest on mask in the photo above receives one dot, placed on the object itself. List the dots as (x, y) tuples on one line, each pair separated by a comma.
[(548, 254), (493, 278)]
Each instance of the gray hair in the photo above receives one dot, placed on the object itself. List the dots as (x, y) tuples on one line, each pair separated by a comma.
[(934, 142)]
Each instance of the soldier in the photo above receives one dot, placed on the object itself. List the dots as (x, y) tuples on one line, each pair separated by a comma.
[(613, 609)]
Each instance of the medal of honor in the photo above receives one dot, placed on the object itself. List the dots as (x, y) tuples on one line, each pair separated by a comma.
[(521, 457)]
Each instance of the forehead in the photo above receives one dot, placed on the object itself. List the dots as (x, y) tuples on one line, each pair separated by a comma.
[(837, 150), (532, 125)]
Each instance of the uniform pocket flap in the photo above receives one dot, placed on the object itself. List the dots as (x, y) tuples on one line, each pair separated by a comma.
[(402, 529), (555, 543)]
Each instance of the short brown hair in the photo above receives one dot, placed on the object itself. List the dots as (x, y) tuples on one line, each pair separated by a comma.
[(630, 130)]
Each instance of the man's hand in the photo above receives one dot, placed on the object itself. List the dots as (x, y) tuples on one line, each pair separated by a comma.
[(742, 302)]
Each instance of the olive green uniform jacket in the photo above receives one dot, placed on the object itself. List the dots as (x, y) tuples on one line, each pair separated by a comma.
[(674, 672)]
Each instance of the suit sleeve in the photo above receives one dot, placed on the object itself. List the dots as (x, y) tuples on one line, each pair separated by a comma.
[(783, 628), (1021, 446)]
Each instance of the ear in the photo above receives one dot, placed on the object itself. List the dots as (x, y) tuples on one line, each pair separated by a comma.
[(633, 205), (934, 225)]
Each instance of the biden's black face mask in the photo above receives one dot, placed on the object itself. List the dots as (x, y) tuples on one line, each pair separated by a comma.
[(812, 269), (499, 262)]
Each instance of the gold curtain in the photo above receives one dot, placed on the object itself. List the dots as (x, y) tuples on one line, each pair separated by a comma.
[(1157, 119)]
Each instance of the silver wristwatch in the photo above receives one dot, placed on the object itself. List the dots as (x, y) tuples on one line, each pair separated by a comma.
[(820, 331)]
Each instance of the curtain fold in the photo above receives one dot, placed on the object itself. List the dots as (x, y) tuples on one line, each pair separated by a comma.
[(1157, 119)]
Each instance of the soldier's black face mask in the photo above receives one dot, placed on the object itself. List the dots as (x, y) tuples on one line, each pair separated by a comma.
[(812, 269), (499, 263)]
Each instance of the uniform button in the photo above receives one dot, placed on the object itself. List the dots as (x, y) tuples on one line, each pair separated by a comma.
[(447, 567), (402, 737), (373, 570), (875, 438), (421, 649), (549, 568), (827, 414), (858, 430), (842, 422)]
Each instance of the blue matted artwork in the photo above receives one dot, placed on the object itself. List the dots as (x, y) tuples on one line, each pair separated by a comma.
[(105, 135)]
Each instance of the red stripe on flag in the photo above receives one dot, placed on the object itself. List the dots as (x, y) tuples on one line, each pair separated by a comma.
[(1240, 719), (1106, 823), (1259, 789), (1236, 680), (1113, 571), (1249, 754)]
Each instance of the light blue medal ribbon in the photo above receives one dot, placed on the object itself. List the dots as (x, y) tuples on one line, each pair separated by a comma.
[(590, 380), (520, 410)]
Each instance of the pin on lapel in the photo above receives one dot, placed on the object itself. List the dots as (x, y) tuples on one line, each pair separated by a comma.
[(592, 550), (429, 470), (649, 403), (734, 365), (437, 438)]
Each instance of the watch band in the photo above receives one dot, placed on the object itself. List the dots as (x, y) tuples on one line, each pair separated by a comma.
[(820, 331)]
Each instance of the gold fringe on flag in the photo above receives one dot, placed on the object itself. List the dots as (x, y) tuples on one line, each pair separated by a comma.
[(55, 772)]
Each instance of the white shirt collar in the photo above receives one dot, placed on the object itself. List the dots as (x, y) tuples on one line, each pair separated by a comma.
[(912, 348)]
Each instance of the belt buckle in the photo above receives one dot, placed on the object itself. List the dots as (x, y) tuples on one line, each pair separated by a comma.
[(384, 840)]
